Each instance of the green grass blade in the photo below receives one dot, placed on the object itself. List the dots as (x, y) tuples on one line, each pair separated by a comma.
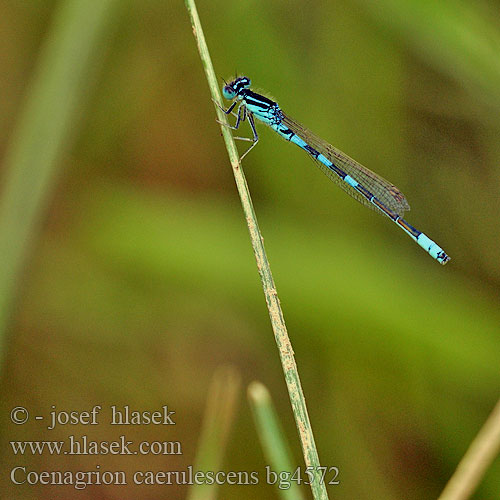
[(219, 415), (43, 132), (287, 358), (476, 461), (272, 438)]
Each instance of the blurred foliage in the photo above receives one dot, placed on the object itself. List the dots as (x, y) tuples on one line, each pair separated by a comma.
[(43, 132), (141, 279)]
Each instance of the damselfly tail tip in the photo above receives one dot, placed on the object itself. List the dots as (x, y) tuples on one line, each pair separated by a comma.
[(443, 258)]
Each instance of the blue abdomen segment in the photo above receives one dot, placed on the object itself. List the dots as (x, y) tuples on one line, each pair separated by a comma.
[(351, 181), (432, 248)]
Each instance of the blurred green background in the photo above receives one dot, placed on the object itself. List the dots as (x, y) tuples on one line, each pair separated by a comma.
[(139, 279)]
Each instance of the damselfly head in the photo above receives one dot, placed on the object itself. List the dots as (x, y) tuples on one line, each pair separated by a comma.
[(232, 89)]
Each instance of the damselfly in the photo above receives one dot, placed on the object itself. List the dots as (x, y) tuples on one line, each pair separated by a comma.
[(362, 184)]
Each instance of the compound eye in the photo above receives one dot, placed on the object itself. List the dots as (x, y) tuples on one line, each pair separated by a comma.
[(228, 92)]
